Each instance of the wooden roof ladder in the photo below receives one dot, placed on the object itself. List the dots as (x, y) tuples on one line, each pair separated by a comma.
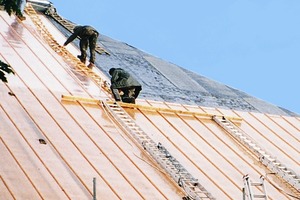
[(69, 26), (159, 153), (274, 165)]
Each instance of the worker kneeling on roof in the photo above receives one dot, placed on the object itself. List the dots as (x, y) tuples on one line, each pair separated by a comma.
[(124, 85)]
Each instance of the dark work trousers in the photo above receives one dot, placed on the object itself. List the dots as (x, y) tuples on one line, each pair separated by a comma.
[(91, 41), (129, 94)]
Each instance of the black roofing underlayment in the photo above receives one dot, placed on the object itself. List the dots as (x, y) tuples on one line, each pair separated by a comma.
[(164, 81)]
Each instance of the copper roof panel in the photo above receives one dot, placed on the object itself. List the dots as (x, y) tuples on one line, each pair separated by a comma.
[(53, 149)]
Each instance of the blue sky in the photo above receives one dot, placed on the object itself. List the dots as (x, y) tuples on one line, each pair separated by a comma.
[(250, 45)]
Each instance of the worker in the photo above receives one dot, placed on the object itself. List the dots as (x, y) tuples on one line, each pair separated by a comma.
[(20, 13), (124, 87), (88, 37)]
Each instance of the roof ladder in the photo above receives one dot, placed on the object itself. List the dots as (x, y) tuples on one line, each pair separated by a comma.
[(70, 26), (62, 51), (159, 153), (248, 191), (265, 158)]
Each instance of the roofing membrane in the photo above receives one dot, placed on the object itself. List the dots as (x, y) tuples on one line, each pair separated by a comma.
[(52, 149)]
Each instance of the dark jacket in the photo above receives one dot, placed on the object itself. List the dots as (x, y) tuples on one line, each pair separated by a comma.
[(122, 79), (82, 32)]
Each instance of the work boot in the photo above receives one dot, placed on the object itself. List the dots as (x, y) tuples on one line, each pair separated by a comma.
[(128, 100), (83, 60), (21, 17), (91, 65)]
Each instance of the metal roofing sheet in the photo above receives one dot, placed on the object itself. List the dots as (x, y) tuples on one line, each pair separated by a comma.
[(51, 149)]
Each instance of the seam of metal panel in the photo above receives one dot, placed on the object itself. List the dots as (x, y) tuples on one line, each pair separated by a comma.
[(284, 152), (54, 121), (58, 61), (184, 153), (58, 123), (135, 155), (124, 176), (5, 184), (270, 117), (262, 135), (50, 116), (80, 101), (197, 118), (18, 163), (276, 188), (71, 74), (222, 172), (274, 131), (69, 58), (290, 123), (130, 158), (219, 140), (62, 131), (250, 164), (107, 157), (30, 146), (247, 161), (215, 149)]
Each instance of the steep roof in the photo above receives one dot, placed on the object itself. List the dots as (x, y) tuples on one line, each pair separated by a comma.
[(52, 149), (165, 81)]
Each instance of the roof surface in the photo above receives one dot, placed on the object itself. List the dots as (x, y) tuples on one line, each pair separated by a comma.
[(52, 149), (165, 81)]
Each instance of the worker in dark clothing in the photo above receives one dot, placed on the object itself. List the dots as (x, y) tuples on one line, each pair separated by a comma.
[(88, 36), (21, 4), (124, 85)]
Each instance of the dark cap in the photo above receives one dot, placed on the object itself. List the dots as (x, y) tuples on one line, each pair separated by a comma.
[(76, 28), (111, 70)]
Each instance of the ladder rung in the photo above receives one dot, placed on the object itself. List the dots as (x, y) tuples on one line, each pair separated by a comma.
[(256, 184), (259, 196)]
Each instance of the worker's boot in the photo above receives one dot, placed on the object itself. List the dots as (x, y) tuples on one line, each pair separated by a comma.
[(128, 100), (21, 17), (91, 65), (82, 59)]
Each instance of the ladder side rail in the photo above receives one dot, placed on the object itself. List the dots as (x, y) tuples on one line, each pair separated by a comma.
[(179, 174), (262, 179), (265, 158), (136, 136), (68, 57), (240, 136), (159, 153), (287, 174), (70, 26), (248, 190)]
